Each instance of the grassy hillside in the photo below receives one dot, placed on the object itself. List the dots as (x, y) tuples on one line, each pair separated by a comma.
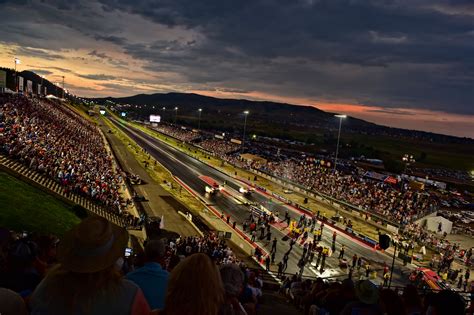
[(25, 207), (427, 154)]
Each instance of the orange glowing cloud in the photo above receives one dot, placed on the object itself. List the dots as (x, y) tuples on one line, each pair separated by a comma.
[(407, 118)]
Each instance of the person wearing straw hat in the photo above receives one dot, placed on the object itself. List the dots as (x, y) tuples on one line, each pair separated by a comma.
[(87, 279)]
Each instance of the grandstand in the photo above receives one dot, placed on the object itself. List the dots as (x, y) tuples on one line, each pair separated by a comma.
[(49, 145)]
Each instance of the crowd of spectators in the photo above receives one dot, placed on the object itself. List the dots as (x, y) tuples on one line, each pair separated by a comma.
[(90, 270), (56, 141), (220, 147), (179, 133), (399, 203), (448, 250), (364, 297)]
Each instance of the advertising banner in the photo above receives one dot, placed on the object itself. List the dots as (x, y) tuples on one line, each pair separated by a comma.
[(29, 86), (218, 136), (235, 141), (155, 118), (20, 84)]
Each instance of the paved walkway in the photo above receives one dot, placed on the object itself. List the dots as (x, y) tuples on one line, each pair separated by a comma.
[(156, 206)]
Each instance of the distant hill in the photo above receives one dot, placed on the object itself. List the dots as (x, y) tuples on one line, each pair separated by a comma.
[(268, 117)]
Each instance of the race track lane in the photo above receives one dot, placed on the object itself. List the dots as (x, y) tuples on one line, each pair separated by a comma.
[(188, 169)]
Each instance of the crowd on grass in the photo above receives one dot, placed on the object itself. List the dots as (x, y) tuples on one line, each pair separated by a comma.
[(52, 139), (90, 270)]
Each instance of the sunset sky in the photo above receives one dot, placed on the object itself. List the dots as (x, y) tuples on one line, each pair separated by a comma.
[(402, 63)]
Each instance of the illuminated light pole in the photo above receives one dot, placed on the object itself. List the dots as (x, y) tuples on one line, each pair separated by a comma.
[(163, 109), (17, 62), (199, 121), (246, 113), (408, 159), (341, 117), (63, 87), (176, 114)]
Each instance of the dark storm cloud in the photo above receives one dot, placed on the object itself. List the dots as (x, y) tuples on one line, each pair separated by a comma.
[(97, 77), (41, 72), (106, 58), (112, 39), (389, 53), (38, 53)]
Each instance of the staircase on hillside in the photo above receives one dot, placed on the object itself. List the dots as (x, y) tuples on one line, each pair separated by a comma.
[(55, 188)]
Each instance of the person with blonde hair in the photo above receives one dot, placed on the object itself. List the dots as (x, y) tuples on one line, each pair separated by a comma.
[(194, 288), (88, 279)]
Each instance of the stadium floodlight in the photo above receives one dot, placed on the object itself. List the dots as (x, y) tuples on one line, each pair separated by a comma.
[(17, 62), (176, 114), (408, 159), (199, 120), (341, 117), (246, 113)]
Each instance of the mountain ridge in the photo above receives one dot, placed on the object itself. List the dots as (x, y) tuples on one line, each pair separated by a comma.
[(275, 112)]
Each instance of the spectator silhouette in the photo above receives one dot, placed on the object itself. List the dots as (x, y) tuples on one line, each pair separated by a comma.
[(87, 279), (233, 281), (152, 278), (194, 288), (11, 303)]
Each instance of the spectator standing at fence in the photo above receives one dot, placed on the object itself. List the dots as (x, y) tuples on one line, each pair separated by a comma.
[(367, 269), (341, 253), (87, 279), (274, 245), (152, 278), (267, 263), (280, 269), (285, 262)]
